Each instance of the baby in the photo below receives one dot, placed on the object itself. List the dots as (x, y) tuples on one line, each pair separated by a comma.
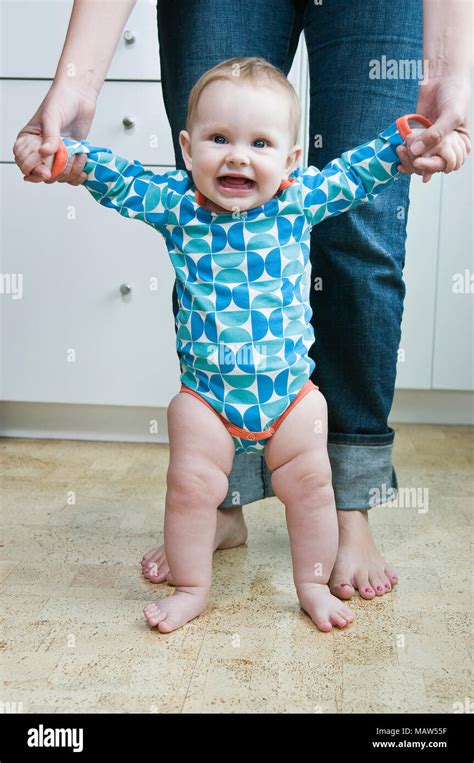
[(237, 227)]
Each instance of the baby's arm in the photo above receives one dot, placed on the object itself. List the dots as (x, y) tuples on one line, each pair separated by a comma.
[(116, 182), (358, 175)]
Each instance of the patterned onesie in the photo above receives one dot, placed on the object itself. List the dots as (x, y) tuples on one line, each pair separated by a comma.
[(243, 279)]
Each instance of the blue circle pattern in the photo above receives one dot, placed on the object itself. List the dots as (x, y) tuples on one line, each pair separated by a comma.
[(243, 280)]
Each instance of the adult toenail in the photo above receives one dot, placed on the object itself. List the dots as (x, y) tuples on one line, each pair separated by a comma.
[(368, 590), (379, 588), (387, 585), (395, 578)]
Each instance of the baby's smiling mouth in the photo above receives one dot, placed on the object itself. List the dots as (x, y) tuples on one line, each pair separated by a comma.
[(235, 183)]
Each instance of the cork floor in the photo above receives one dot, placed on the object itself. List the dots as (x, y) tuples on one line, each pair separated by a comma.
[(76, 519)]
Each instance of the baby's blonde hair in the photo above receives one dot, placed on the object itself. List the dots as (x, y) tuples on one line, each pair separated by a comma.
[(249, 68)]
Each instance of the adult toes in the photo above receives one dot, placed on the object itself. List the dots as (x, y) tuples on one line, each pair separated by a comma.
[(149, 554), (155, 559), (342, 590), (377, 584), (385, 582), (391, 575), (363, 585), (155, 576), (156, 572)]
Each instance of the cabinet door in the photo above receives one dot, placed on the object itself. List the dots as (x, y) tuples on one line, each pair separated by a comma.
[(415, 354), (33, 33), (453, 346), (69, 335)]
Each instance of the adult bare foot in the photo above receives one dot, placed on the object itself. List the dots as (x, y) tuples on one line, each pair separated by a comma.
[(359, 564), (231, 531)]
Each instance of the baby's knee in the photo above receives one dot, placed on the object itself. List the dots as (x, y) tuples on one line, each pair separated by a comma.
[(198, 482), (308, 474)]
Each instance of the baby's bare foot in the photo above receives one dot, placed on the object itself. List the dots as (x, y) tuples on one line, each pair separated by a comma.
[(324, 609), (231, 531), (171, 613)]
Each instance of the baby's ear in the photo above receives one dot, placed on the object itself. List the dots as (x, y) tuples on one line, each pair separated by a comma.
[(293, 158), (185, 143)]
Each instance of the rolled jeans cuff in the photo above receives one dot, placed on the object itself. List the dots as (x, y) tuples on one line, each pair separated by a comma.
[(362, 475)]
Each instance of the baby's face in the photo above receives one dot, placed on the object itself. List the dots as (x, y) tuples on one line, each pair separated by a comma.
[(240, 130)]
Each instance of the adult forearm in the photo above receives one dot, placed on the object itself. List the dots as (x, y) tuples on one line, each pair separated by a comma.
[(91, 40), (447, 36)]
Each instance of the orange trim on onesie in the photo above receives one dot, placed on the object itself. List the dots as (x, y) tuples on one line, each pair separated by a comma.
[(245, 434), (404, 128)]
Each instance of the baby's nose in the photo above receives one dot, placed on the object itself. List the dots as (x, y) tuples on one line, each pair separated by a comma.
[(238, 157)]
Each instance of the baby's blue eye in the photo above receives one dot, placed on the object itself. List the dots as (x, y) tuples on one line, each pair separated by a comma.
[(218, 141), (260, 140)]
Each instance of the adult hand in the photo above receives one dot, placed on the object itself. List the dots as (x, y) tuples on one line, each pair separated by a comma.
[(64, 111), (446, 102)]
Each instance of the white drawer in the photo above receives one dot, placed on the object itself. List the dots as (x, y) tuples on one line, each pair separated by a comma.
[(72, 266), (33, 34), (142, 101)]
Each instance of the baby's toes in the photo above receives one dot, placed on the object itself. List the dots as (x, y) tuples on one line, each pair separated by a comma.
[(346, 614), (338, 619), (323, 623), (154, 614)]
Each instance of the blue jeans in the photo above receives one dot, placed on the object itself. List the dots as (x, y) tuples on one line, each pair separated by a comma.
[(359, 255)]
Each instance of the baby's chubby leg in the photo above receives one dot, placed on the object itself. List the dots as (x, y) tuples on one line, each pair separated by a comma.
[(297, 456), (201, 456)]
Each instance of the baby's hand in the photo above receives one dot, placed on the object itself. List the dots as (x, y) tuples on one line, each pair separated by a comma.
[(27, 156), (447, 156)]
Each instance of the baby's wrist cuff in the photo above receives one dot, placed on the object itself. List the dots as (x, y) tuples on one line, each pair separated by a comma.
[(403, 123), (61, 158)]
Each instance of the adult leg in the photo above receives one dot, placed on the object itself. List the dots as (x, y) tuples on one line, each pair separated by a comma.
[(360, 257)]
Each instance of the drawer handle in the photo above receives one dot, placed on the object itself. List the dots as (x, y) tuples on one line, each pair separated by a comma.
[(125, 288), (129, 37), (128, 122)]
